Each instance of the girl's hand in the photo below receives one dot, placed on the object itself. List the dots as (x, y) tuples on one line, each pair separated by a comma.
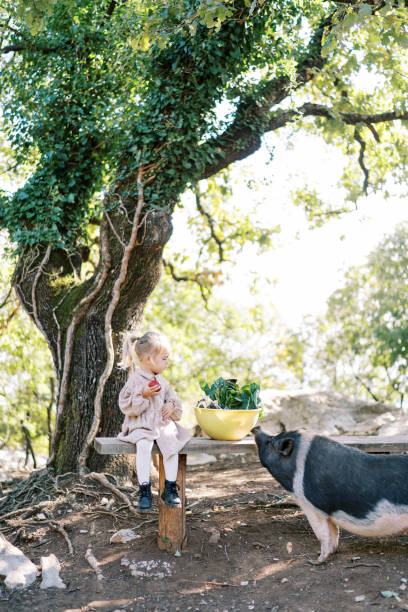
[(149, 391), (168, 409)]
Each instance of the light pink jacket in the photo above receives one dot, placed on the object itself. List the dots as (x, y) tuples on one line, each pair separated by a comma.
[(143, 417)]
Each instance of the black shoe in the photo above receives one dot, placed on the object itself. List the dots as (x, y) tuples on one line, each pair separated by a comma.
[(145, 497), (170, 495)]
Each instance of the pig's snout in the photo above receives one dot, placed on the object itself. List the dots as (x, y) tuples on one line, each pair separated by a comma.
[(260, 436)]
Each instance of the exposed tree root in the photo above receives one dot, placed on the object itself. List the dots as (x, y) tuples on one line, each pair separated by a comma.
[(38, 487), (105, 482), (44, 492)]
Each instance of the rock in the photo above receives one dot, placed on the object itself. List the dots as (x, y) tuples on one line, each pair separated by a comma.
[(398, 426), (151, 569), (329, 413), (215, 537), (50, 573), (200, 458), (124, 535), (15, 567), (359, 598)]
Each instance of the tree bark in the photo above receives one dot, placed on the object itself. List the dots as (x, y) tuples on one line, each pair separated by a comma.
[(73, 322)]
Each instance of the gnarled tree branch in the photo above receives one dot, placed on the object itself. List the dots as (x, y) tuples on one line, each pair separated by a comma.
[(252, 138), (211, 224), (28, 47), (362, 165), (186, 278)]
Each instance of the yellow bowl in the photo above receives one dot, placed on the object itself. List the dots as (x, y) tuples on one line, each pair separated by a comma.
[(222, 424)]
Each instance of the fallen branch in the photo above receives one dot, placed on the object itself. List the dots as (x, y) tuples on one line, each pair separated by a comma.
[(20, 511), (93, 563), (108, 512), (62, 531), (212, 582), (362, 565)]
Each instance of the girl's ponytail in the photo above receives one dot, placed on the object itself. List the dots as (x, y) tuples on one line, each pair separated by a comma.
[(135, 348), (129, 354)]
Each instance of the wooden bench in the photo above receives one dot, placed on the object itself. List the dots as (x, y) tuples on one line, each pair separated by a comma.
[(172, 534)]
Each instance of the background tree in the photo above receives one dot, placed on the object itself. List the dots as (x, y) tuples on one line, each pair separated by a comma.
[(114, 106), (364, 345), (26, 377)]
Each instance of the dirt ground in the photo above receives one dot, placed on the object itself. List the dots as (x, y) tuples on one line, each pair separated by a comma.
[(260, 562)]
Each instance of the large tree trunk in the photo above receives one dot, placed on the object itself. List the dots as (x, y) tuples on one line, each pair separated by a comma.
[(84, 325)]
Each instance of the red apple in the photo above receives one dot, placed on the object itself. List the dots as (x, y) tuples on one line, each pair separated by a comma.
[(154, 383)]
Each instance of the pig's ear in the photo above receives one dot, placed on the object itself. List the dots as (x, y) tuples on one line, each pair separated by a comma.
[(285, 447)]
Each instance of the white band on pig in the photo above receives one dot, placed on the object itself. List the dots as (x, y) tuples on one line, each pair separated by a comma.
[(304, 445)]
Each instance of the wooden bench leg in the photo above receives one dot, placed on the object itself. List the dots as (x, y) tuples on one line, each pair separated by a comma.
[(172, 521)]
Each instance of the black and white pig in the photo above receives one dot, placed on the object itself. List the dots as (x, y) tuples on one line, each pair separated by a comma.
[(338, 486)]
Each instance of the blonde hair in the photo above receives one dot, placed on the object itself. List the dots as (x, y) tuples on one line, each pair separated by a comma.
[(135, 348)]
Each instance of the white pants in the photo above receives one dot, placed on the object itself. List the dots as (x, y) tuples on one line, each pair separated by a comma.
[(144, 461)]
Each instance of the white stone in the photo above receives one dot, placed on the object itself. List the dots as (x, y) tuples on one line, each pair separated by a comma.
[(124, 535), (359, 598), (50, 568), (151, 569), (200, 458), (15, 567)]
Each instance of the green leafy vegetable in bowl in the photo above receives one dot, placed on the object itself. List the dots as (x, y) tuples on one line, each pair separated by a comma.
[(226, 394)]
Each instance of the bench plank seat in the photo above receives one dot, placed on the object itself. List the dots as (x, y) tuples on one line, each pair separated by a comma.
[(369, 444)]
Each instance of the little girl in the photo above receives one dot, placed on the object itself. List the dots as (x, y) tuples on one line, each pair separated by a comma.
[(151, 408)]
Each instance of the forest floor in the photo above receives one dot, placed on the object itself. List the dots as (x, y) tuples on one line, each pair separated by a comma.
[(261, 560)]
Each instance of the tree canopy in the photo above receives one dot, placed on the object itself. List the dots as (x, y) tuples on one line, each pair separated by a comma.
[(100, 88)]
